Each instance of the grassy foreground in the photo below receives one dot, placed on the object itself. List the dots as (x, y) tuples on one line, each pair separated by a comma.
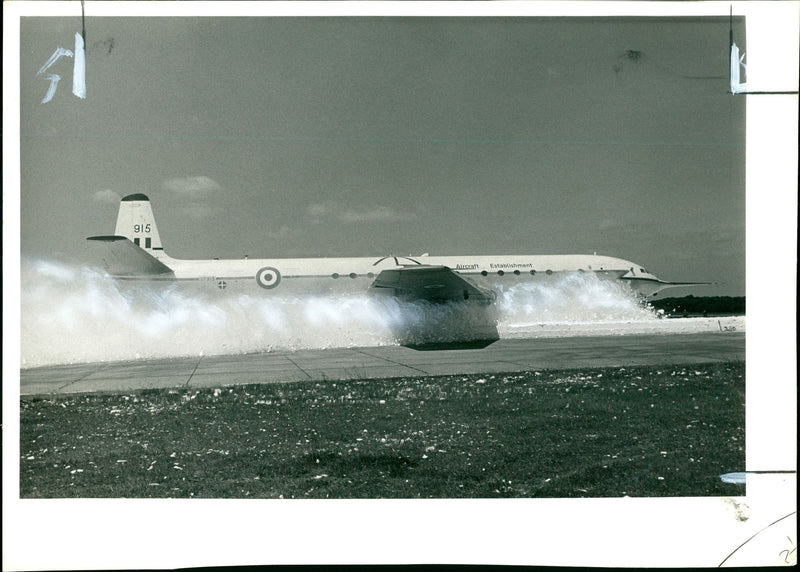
[(637, 431)]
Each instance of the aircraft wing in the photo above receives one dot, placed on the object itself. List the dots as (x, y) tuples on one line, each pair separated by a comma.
[(652, 286), (123, 258), (432, 283)]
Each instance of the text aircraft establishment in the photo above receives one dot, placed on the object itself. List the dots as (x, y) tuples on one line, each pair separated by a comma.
[(135, 252)]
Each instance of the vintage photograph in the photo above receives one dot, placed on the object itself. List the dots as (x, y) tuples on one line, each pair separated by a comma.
[(382, 257), (326, 186)]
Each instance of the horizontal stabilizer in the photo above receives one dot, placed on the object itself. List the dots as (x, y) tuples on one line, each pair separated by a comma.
[(686, 283), (433, 283), (123, 258), (648, 286)]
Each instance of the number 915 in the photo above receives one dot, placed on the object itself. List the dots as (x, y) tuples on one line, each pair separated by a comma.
[(141, 227)]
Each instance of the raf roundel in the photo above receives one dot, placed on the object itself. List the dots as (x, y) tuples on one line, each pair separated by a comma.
[(268, 277)]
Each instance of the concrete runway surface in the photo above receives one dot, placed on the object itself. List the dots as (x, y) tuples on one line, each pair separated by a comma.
[(504, 355)]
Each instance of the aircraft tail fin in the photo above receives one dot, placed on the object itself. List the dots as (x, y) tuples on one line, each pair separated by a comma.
[(135, 221), (135, 247), (124, 258)]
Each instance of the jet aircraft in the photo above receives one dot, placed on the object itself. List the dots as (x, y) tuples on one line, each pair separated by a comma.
[(135, 252)]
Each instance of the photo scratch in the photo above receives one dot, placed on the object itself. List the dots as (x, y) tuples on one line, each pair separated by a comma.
[(78, 70), (54, 78)]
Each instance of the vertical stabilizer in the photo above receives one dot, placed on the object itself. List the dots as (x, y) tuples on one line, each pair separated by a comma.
[(136, 222)]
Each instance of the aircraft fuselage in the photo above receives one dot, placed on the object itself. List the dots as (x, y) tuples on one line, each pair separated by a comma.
[(135, 252), (487, 271)]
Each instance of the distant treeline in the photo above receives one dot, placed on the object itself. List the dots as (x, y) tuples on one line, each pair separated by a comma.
[(709, 305)]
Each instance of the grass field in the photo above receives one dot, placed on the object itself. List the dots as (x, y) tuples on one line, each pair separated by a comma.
[(605, 432)]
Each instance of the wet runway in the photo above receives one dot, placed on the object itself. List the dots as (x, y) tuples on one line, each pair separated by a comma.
[(505, 355)]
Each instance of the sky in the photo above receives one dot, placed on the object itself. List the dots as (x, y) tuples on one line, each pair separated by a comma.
[(294, 137)]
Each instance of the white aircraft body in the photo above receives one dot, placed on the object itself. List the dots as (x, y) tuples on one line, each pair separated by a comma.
[(135, 252)]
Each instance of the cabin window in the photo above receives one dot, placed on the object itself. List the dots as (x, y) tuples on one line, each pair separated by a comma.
[(335, 275), (533, 272), (548, 272), (500, 273), (370, 275), (580, 269), (516, 272), (136, 241), (147, 242), (484, 273), (353, 275)]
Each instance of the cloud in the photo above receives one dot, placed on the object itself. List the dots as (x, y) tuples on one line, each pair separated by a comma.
[(106, 196), (610, 224), (284, 232), (199, 211), (345, 215), (375, 214), (317, 210), (193, 186)]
